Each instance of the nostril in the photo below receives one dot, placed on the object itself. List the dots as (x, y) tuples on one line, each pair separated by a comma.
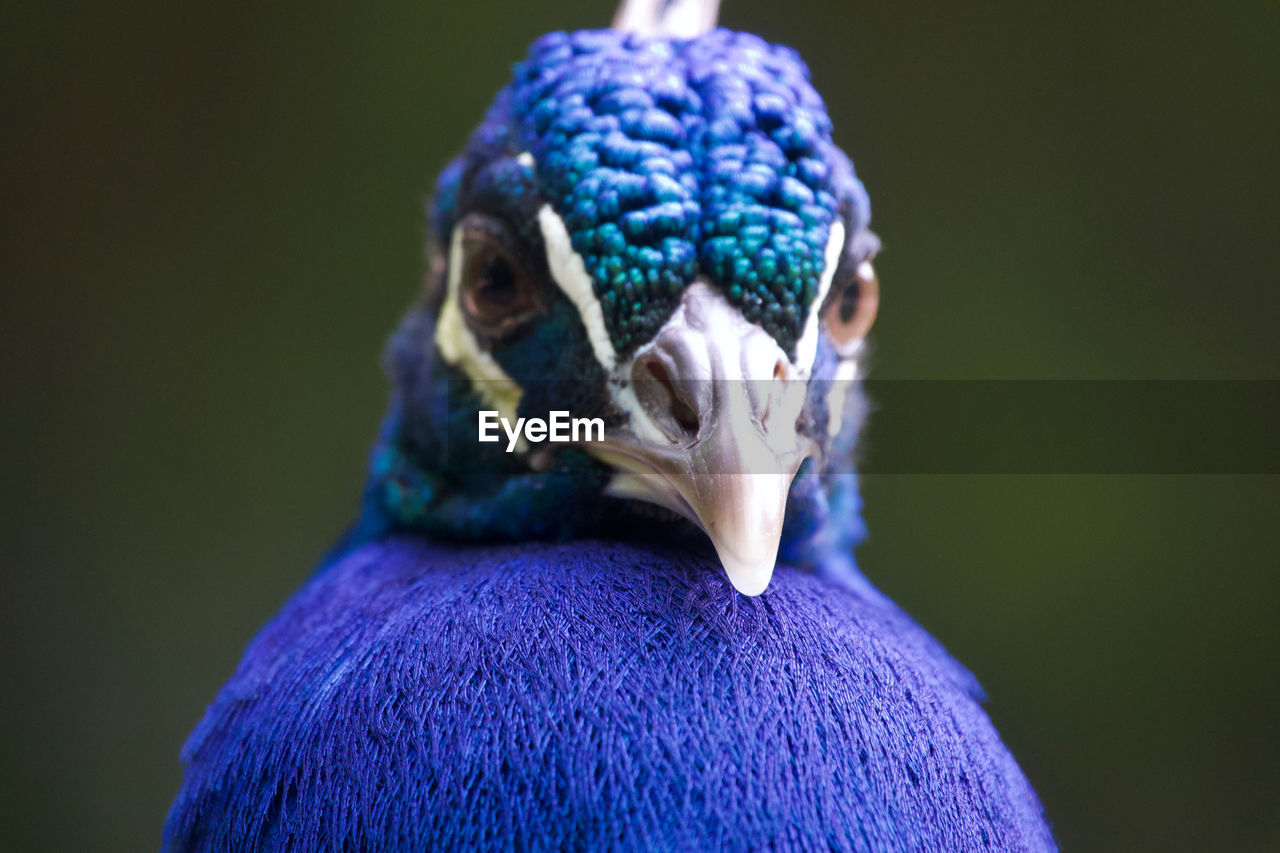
[(676, 404), (684, 415), (780, 370)]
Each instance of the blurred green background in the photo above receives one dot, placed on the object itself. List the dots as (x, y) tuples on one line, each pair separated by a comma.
[(212, 215)]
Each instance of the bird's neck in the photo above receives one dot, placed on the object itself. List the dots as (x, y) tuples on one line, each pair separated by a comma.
[(566, 502)]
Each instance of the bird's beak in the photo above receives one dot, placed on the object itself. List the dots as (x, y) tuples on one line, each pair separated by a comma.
[(714, 404)]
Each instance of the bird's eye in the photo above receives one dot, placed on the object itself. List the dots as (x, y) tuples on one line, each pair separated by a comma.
[(850, 315), (496, 292)]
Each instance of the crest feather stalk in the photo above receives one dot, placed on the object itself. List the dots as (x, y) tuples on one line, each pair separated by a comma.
[(667, 18)]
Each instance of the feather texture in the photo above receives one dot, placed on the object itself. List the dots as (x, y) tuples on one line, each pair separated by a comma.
[(590, 695)]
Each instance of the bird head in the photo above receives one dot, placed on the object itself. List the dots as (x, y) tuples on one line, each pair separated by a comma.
[(653, 228)]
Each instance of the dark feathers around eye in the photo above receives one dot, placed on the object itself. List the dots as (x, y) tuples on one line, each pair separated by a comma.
[(434, 405), (487, 179)]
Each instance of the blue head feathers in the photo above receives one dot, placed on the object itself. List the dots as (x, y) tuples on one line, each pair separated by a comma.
[(669, 159), (658, 232)]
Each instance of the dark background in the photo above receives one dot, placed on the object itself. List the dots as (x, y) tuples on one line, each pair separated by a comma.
[(212, 217)]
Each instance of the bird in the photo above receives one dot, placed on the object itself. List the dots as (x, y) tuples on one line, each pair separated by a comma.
[(651, 633)]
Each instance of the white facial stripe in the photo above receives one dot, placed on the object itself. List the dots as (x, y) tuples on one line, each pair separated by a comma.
[(846, 373), (459, 347), (807, 346), (570, 275), (526, 159)]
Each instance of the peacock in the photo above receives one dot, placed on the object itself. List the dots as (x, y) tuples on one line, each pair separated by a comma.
[(649, 633)]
